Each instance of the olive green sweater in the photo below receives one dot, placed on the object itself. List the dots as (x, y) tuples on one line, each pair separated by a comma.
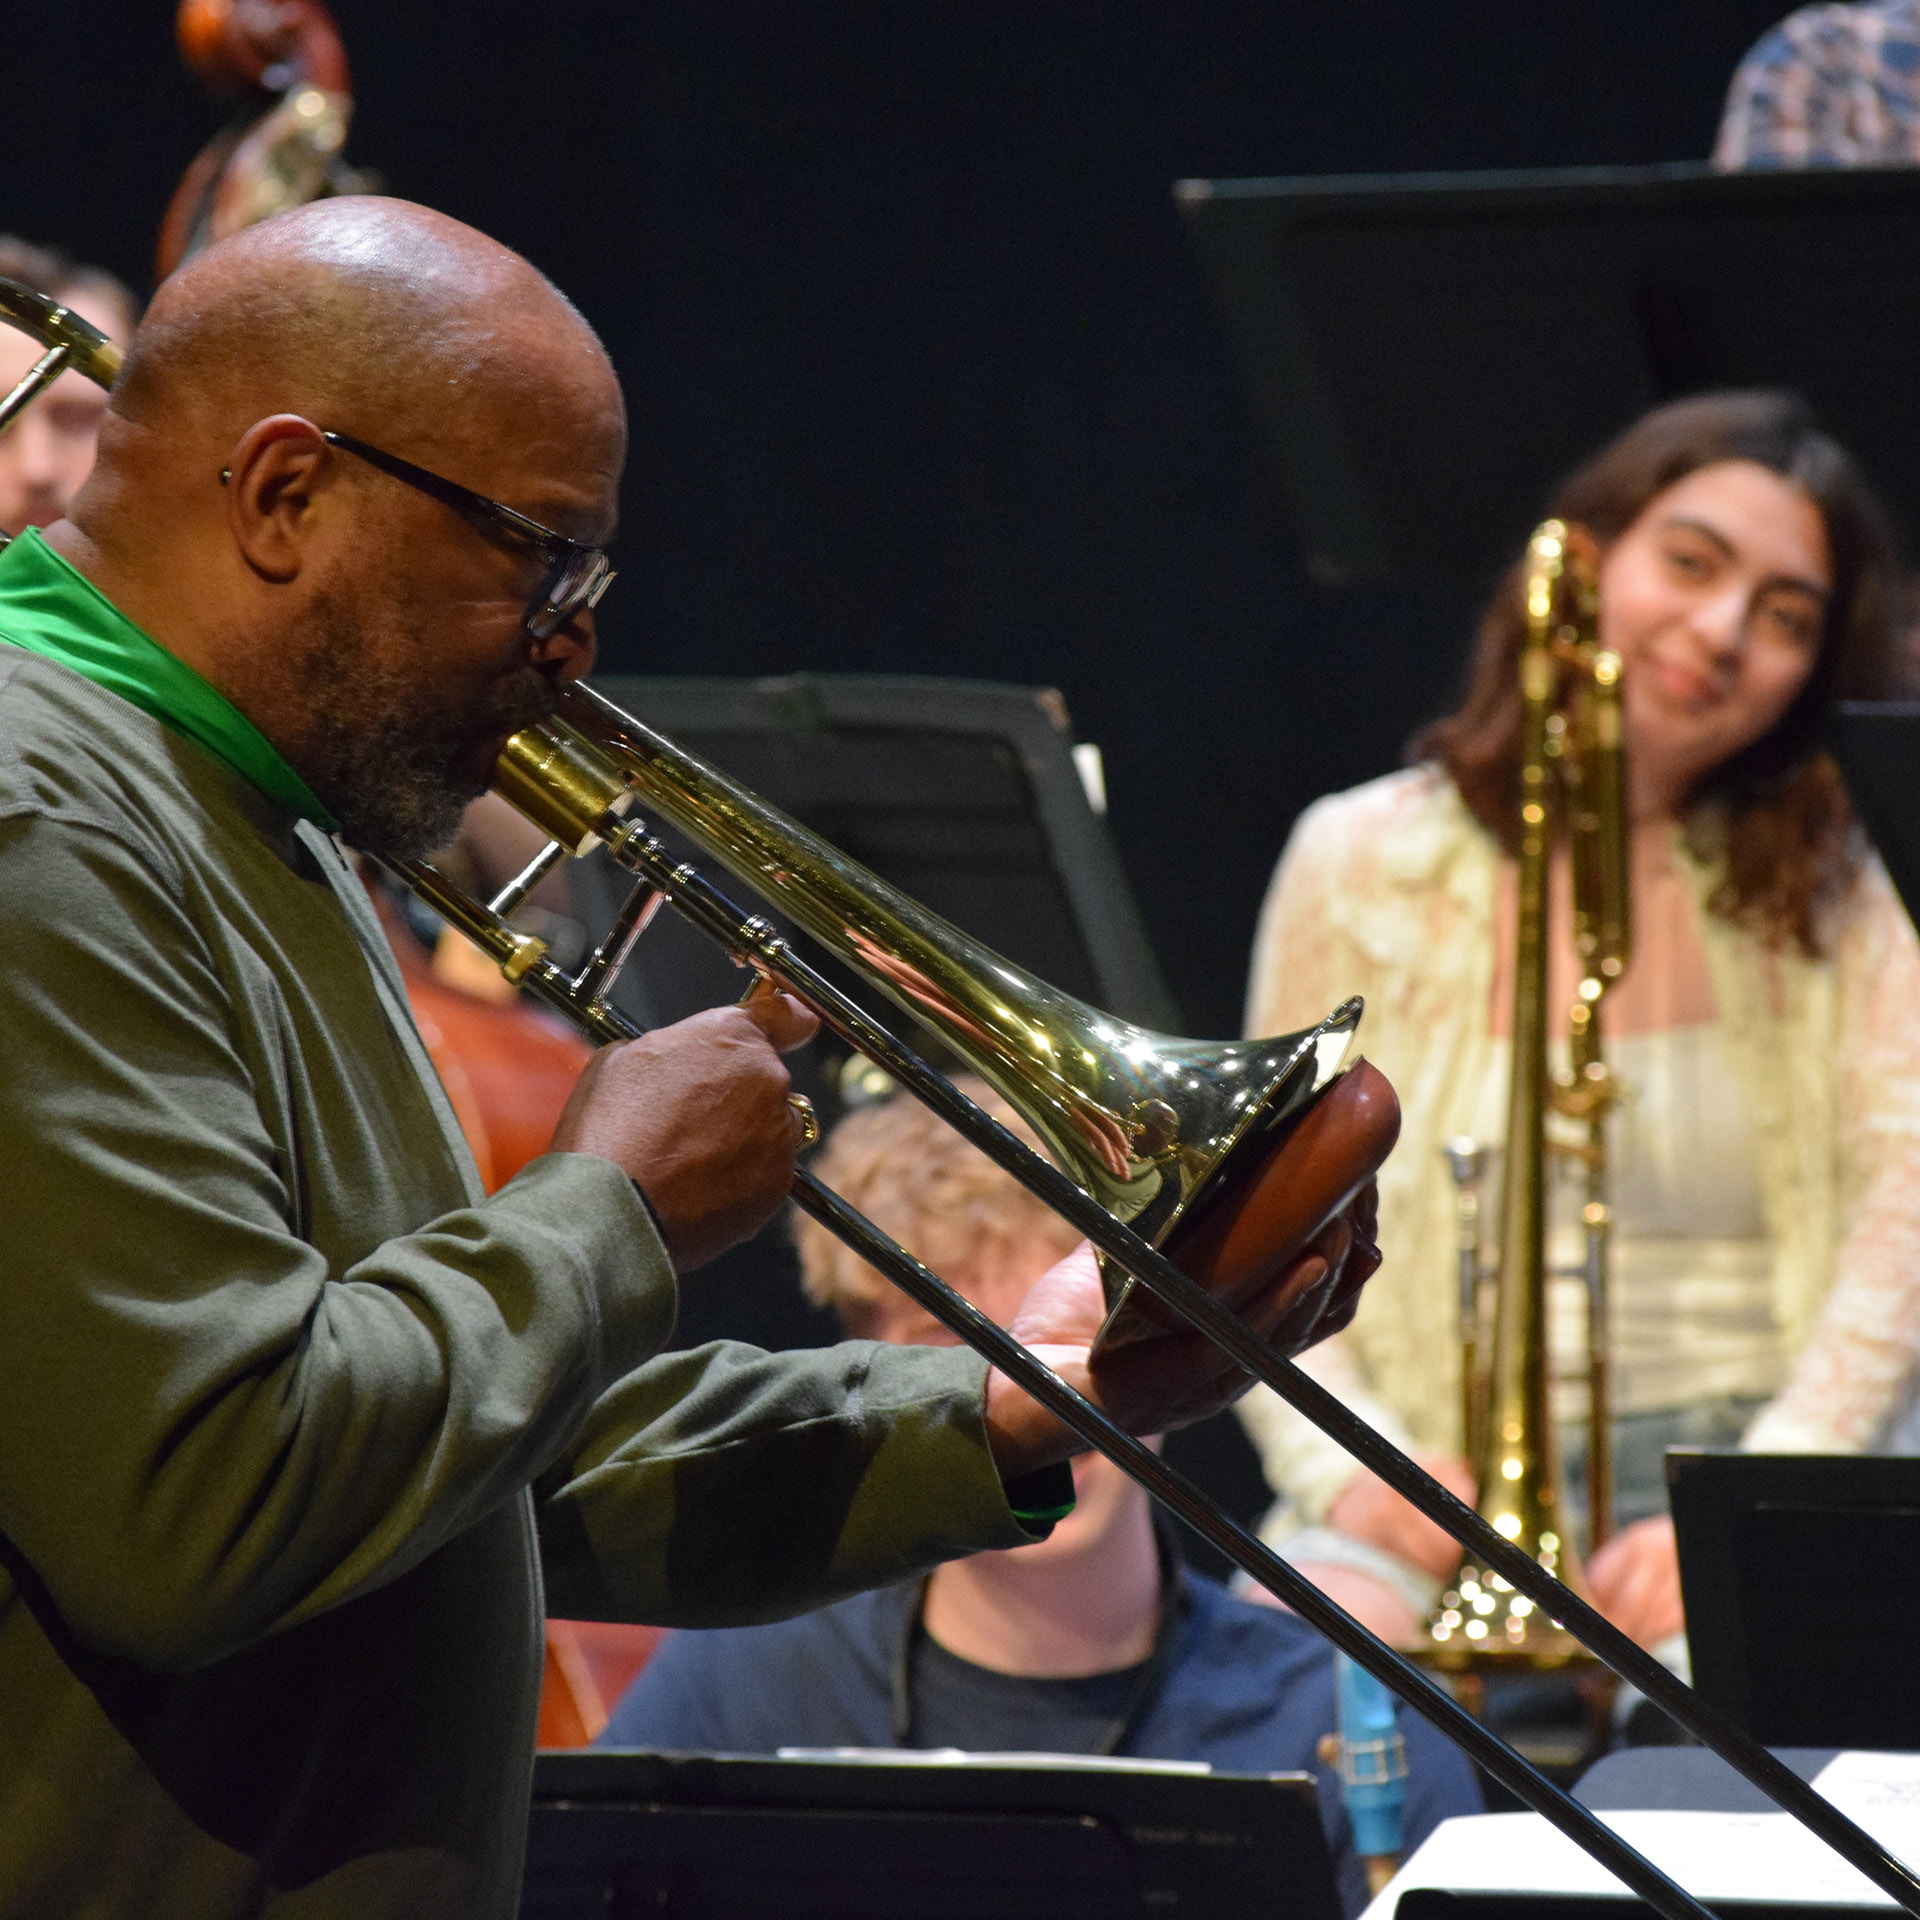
[(278, 1385)]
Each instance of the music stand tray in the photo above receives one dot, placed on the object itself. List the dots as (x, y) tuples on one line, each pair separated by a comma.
[(1004, 1837)]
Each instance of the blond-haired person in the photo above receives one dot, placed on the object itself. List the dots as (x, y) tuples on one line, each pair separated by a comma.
[(1096, 1640)]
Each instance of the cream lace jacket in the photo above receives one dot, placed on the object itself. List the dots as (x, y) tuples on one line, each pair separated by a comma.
[(1388, 891)]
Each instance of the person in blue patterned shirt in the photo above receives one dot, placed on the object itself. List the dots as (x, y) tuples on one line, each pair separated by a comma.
[(1830, 86)]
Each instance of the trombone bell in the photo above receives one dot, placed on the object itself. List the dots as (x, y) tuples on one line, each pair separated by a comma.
[(1145, 1123)]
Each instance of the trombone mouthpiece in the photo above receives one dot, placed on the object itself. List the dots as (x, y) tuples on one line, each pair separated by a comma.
[(563, 783)]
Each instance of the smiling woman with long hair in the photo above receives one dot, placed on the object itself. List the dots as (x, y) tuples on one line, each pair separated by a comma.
[(1767, 1148)]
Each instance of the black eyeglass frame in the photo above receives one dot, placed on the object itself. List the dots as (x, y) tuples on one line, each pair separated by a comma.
[(577, 574)]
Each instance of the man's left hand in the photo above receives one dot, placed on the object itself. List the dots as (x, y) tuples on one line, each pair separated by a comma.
[(1158, 1385), (1635, 1579)]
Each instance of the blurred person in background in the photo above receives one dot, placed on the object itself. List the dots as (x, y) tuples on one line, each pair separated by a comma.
[(47, 453), (1830, 86), (1766, 1152)]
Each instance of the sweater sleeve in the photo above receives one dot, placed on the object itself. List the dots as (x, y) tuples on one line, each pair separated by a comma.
[(723, 1486), (208, 1433), (1860, 1358), (1294, 977)]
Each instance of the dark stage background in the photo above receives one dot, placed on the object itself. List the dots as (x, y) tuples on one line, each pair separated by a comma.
[(923, 376)]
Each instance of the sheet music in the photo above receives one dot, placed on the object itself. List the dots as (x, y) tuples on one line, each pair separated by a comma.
[(1879, 1791), (972, 1757), (1715, 1856)]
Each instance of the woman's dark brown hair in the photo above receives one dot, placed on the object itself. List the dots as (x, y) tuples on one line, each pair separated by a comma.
[(1776, 813)]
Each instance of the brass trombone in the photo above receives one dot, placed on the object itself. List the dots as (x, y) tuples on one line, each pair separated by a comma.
[(1572, 771), (1150, 1123)]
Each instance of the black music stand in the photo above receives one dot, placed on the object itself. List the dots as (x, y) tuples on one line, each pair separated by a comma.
[(1428, 353), (722, 1837), (964, 793), (1801, 1576)]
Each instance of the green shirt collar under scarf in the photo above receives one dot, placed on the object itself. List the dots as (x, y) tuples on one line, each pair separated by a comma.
[(51, 609)]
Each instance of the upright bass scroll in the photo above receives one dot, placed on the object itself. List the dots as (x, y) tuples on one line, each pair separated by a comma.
[(285, 63)]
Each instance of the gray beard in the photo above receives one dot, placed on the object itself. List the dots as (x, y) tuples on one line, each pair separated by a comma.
[(384, 752)]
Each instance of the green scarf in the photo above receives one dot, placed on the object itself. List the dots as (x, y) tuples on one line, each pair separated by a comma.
[(51, 609)]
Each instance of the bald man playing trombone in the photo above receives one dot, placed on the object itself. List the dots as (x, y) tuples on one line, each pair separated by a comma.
[(283, 1398)]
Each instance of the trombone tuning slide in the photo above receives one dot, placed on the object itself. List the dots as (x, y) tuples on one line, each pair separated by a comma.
[(569, 789)]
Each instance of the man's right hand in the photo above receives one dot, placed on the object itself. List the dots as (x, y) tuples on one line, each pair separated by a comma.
[(1159, 1384), (698, 1116)]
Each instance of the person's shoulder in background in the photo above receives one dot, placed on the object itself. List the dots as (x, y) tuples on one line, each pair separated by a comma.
[(1830, 86), (821, 1680), (1410, 800), (1253, 1688)]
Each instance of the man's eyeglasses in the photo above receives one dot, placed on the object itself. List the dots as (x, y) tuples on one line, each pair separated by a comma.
[(577, 575)]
